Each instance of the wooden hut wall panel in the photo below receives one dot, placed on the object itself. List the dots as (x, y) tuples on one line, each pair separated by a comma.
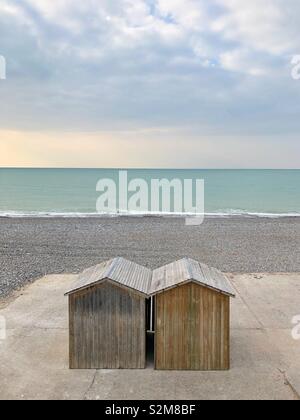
[(192, 329), (107, 329)]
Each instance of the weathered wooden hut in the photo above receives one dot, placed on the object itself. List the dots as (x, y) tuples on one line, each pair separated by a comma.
[(192, 329), (107, 316)]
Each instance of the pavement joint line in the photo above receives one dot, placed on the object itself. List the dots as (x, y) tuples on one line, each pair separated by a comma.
[(288, 383), (247, 306), (247, 329), (259, 329), (24, 329), (50, 328), (90, 386)]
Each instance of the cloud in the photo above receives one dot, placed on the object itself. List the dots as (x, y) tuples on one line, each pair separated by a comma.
[(221, 67), (270, 26), (240, 60), (216, 32)]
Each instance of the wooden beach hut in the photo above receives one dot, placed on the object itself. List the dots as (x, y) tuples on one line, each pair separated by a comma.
[(192, 330), (107, 316)]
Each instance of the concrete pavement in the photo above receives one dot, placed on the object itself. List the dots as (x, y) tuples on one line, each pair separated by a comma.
[(265, 359)]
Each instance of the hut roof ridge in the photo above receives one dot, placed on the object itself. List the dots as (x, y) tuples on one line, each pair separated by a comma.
[(118, 270), (188, 270), (141, 280)]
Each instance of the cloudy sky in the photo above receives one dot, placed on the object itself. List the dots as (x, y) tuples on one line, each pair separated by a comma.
[(150, 83)]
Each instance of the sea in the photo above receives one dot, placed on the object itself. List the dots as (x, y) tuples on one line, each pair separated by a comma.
[(73, 193)]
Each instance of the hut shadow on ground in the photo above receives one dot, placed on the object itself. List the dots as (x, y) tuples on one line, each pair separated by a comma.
[(150, 350)]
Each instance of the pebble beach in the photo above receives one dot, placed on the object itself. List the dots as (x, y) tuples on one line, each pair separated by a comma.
[(33, 247)]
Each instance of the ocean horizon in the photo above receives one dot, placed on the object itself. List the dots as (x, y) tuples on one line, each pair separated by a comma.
[(72, 192)]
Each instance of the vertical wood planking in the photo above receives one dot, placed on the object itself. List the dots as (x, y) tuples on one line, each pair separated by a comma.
[(107, 329), (192, 329), (71, 333)]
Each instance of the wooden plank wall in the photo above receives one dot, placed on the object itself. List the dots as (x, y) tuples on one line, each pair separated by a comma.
[(107, 329), (192, 329)]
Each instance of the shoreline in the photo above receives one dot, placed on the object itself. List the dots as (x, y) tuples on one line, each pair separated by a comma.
[(146, 215), (33, 247)]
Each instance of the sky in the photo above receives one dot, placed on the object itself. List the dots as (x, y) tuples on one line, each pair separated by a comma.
[(150, 83)]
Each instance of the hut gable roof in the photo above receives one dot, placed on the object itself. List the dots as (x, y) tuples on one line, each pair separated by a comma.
[(186, 271), (118, 270)]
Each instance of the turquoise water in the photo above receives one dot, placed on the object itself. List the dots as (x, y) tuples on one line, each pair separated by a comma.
[(73, 191)]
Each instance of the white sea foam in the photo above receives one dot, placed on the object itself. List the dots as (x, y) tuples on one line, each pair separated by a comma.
[(221, 214)]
